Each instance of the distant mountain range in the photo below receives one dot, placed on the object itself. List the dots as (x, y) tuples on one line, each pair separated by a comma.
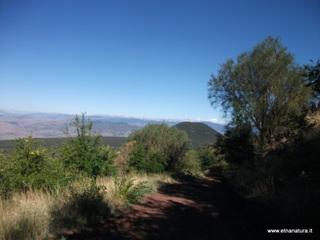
[(51, 125)]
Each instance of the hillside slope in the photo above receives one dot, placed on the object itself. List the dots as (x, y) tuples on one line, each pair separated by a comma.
[(199, 133)]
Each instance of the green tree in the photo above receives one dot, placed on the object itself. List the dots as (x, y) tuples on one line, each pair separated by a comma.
[(263, 87), (83, 152), (158, 148)]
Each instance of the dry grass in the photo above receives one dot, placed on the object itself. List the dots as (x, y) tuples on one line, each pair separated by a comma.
[(29, 215), (25, 216)]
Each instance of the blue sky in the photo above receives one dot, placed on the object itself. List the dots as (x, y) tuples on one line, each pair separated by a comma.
[(147, 58)]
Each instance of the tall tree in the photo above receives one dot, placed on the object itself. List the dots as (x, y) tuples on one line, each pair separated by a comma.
[(263, 87)]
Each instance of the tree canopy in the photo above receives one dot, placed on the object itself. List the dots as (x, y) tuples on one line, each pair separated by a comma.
[(158, 147), (313, 75), (263, 87)]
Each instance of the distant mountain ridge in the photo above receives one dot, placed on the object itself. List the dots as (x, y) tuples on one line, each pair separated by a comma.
[(51, 125)]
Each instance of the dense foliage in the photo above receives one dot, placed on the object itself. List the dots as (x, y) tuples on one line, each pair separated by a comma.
[(263, 87), (83, 152), (30, 166), (236, 145), (207, 156), (159, 148)]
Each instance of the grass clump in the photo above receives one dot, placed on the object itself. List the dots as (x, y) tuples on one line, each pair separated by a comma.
[(130, 192)]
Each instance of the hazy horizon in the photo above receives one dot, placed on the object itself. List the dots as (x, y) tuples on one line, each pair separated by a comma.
[(72, 114)]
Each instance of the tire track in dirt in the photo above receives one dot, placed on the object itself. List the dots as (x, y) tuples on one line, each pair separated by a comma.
[(193, 209)]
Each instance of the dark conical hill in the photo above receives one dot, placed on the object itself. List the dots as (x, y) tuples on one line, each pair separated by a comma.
[(199, 133)]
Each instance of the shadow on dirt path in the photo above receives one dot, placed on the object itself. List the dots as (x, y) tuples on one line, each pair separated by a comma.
[(193, 209)]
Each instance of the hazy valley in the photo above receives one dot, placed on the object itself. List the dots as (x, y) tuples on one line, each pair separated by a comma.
[(52, 125)]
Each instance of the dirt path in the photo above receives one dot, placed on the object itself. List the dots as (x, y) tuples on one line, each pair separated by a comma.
[(197, 209)]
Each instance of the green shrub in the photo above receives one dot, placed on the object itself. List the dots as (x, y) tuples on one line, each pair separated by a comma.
[(83, 154), (190, 164), (237, 145), (156, 161), (158, 148), (207, 156), (222, 167), (137, 157), (104, 160), (29, 166)]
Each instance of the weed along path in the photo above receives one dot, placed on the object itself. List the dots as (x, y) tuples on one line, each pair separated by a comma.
[(193, 209)]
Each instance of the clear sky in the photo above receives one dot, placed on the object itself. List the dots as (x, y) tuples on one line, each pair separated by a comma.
[(147, 58)]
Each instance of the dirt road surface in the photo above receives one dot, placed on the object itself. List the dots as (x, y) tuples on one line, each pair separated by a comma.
[(192, 209)]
